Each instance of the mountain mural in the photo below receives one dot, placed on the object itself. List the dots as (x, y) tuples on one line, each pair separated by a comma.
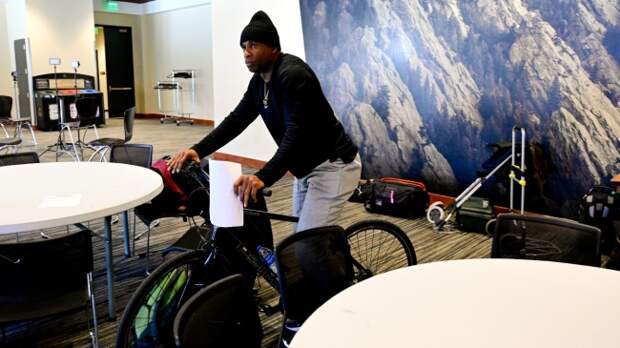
[(424, 86)]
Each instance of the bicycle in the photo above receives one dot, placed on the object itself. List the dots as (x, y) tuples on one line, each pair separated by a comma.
[(376, 247)]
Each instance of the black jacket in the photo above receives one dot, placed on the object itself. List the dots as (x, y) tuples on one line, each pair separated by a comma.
[(298, 116)]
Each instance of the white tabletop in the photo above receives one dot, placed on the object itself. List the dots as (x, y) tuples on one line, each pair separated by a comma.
[(42, 195), (472, 303)]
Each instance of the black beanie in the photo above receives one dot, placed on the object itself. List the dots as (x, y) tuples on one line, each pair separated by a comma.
[(261, 29)]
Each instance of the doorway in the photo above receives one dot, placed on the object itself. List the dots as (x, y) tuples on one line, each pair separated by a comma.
[(114, 52)]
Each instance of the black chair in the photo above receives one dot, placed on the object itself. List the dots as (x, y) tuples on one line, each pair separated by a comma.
[(138, 155), (47, 277), (134, 154), (19, 158), (6, 103), (221, 315), (313, 266), (87, 109), (102, 145), (10, 143), (539, 237)]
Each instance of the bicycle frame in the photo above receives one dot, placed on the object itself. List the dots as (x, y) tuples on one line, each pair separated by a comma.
[(257, 264)]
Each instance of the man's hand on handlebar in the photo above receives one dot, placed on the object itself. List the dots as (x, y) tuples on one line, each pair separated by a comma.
[(176, 163), (247, 186)]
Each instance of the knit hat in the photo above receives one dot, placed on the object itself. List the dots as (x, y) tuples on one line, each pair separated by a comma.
[(261, 29)]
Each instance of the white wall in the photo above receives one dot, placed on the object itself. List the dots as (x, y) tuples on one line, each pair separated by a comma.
[(61, 28), (6, 83), (230, 76), (135, 23), (16, 19), (179, 39)]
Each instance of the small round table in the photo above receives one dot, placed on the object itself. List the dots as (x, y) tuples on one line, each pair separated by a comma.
[(51, 194), (472, 303)]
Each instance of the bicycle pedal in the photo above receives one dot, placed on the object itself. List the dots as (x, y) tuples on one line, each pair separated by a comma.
[(269, 310)]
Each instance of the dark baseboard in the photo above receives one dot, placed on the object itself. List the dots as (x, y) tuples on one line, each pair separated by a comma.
[(200, 121), (245, 161)]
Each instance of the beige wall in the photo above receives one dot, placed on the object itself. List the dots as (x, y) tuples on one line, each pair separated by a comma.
[(179, 39), (6, 84), (61, 28), (230, 76), (124, 20)]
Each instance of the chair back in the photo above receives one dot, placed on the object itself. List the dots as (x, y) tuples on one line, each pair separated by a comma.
[(221, 315), (548, 238), (6, 103), (87, 110), (128, 118), (134, 154), (18, 158), (44, 277), (313, 266)]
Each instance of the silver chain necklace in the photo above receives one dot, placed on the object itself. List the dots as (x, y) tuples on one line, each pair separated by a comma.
[(266, 97)]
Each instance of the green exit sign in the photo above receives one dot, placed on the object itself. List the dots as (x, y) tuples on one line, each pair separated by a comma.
[(111, 6)]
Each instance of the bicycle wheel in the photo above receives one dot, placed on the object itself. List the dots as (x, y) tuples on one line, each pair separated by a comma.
[(378, 247), (149, 315)]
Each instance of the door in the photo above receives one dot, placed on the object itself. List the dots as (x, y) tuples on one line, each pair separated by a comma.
[(119, 69)]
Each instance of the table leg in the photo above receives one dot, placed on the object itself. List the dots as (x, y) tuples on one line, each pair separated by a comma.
[(126, 233), (109, 264)]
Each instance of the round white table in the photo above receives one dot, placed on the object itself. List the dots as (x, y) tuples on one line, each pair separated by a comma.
[(43, 195), (472, 303)]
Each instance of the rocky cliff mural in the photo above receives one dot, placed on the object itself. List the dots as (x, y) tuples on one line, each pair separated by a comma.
[(423, 86)]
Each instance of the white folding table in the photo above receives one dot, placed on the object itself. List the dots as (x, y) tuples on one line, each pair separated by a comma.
[(472, 303), (43, 195)]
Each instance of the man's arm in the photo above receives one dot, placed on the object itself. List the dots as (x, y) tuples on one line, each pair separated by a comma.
[(296, 85), (238, 120), (231, 126)]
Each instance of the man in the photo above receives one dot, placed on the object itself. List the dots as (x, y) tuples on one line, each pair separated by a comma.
[(312, 144)]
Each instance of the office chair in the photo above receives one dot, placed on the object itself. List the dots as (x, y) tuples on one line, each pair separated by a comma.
[(102, 145), (313, 266), (138, 155), (47, 277), (220, 315), (6, 103), (19, 158), (548, 238)]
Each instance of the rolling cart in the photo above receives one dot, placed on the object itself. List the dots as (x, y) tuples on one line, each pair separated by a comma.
[(179, 83), (439, 215)]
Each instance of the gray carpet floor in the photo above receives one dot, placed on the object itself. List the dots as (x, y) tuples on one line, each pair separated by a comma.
[(71, 330)]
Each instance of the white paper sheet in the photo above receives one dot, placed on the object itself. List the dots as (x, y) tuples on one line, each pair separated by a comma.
[(61, 201), (226, 210)]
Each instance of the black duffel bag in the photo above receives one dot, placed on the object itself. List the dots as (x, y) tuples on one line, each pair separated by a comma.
[(398, 197)]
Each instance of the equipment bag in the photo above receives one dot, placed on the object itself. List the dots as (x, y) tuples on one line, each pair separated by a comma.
[(398, 197), (474, 214)]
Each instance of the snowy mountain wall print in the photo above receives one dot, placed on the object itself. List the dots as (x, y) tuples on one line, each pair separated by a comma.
[(424, 86)]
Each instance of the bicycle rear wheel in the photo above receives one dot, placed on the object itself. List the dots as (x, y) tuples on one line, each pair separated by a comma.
[(149, 315), (377, 247)]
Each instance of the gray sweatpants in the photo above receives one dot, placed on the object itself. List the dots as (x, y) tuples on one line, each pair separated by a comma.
[(319, 196)]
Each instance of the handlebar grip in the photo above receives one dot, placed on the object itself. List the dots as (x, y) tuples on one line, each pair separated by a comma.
[(266, 192)]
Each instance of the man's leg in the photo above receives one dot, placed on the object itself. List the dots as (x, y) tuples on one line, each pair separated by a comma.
[(328, 187)]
